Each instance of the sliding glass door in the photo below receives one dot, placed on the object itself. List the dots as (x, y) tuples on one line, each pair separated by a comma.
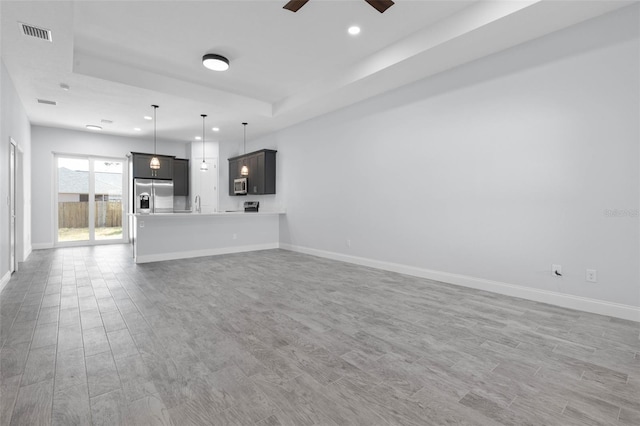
[(90, 200), (108, 198), (73, 199)]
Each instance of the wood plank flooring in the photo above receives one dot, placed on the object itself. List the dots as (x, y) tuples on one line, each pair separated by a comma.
[(281, 338)]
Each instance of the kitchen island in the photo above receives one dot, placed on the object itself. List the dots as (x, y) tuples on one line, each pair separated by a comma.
[(168, 236)]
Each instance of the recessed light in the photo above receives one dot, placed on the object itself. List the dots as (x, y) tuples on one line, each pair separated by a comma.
[(137, 129), (198, 138), (354, 30), (64, 87), (148, 117), (93, 127), (215, 129), (215, 62)]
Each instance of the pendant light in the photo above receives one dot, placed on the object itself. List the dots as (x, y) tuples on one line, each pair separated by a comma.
[(203, 167), (155, 162), (244, 171)]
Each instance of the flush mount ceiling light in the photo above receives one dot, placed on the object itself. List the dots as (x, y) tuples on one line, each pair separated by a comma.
[(215, 62), (354, 30), (244, 171), (155, 162), (215, 129), (93, 127), (148, 117), (203, 167)]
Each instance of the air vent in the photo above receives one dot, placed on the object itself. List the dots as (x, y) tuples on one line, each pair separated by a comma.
[(105, 121), (46, 102), (31, 31)]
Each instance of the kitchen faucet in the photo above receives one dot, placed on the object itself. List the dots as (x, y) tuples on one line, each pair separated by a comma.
[(198, 207)]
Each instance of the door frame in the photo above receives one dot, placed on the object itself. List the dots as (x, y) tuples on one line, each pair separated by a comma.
[(125, 201), (13, 206)]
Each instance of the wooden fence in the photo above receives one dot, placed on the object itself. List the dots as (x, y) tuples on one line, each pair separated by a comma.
[(76, 214)]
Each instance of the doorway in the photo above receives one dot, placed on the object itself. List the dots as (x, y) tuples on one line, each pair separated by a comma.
[(91, 196)]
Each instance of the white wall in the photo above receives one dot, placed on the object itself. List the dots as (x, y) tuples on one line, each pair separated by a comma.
[(47, 140), (485, 174), (14, 124), (204, 184)]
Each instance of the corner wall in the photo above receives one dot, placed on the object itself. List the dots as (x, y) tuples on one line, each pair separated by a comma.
[(14, 124), (487, 174)]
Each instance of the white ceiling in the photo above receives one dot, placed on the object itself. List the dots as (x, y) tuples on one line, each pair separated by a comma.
[(119, 57)]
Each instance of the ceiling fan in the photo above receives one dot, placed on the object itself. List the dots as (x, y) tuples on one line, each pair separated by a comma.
[(379, 5)]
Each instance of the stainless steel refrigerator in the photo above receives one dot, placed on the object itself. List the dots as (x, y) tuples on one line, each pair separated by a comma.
[(153, 196)]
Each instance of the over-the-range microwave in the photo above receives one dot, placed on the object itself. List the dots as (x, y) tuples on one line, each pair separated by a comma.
[(240, 186)]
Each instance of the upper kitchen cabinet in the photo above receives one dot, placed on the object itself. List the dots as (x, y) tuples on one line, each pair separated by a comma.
[(234, 172), (180, 176), (262, 171), (142, 170)]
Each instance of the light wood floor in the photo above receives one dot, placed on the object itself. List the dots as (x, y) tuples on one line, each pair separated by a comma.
[(276, 337)]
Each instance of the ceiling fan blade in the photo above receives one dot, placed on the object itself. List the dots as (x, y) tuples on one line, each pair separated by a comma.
[(380, 5), (295, 5)]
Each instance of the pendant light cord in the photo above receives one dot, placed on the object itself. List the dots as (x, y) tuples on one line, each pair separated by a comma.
[(155, 107), (245, 170), (245, 137), (203, 116), (154, 164)]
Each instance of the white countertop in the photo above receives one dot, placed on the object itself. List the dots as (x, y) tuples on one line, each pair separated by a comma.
[(215, 214)]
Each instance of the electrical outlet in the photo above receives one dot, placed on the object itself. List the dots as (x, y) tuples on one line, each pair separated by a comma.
[(235, 236), (348, 243), (592, 275), (142, 224), (556, 270)]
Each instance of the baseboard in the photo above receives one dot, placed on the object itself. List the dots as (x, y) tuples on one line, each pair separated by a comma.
[(41, 246), (202, 253), (5, 280), (579, 303), (26, 254)]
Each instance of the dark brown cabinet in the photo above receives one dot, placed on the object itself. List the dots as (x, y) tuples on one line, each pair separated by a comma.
[(255, 185), (142, 170), (180, 176), (262, 171), (234, 171)]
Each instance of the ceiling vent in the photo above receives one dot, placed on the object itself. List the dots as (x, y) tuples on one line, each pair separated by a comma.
[(31, 31), (46, 102)]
